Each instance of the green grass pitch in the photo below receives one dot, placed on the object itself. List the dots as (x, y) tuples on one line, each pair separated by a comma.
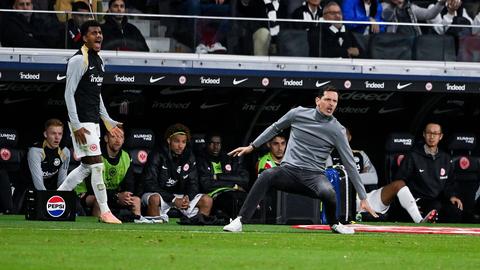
[(87, 244)]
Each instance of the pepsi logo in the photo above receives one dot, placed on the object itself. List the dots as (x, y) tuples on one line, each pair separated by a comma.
[(55, 206)]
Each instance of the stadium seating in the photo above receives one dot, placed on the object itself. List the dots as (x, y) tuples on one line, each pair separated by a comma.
[(466, 170), (139, 143), (391, 46), (434, 48), (293, 42), (469, 49), (396, 146)]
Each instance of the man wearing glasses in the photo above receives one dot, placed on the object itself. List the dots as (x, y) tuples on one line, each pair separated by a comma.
[(428, 172)]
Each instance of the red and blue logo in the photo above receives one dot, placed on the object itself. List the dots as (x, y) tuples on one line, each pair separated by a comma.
[(56, 206)]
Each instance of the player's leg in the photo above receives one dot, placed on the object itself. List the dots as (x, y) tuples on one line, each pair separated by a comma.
[(278, 177), (405, 197), (205, 204)]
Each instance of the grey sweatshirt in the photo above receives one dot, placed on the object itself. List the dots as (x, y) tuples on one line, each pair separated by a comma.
[(313, 136)]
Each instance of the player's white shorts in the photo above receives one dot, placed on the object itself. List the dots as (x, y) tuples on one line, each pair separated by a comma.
[(191, 211), (92, 148), (375, 200)]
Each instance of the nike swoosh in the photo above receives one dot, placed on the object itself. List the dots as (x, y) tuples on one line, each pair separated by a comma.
[(91, 68), (235, 82), (59, 77), (209, 106), (439, 111), (169, 91), (317, 84), (401, 86), (420, 170), (154, 80), (383, 110), (10, 101)]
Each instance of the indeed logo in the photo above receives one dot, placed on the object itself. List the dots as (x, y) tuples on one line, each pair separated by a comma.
[(124, 78), (209, 80), (374, 85), (469, 140), (403, 141), (29, 76), (96, 79), (454, 87), (292, 82), (145, 137)]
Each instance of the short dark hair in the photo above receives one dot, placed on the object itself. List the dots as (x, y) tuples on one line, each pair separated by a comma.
[(76, 6), (88, 24), (177, 129), (110, 3), (328, 87)]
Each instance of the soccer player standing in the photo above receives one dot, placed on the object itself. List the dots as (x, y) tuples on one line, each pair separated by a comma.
[(85, 110)]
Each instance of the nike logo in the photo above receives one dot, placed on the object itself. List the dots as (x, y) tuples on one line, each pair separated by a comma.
[(11, 101), (401, 86), (169, 91), (440, 111), (421, 170), (383, 110), (320, 84), (209, 106), (59, 77), (154, 80), (235, 82), (91, 68)]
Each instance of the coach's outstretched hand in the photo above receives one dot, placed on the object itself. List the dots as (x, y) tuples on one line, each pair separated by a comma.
[(240, 151), (364, 205)]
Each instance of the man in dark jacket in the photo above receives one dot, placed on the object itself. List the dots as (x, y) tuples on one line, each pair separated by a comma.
[(28, 29), (222, 177), (337, 40), (427, 170), (171, 178), (118, 33), (74, 40)]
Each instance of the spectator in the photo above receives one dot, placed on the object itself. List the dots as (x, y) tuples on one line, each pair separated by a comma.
[(405, 12), (428, 172), (209, 33), (261, 36), (222, 177), (381, 199), (74, 40), (66, 5), (48, 161), (28, 29), (276, 146), (118, 33), (171, 178), (337, 40), (363, 11), (476, 22), (311, 11), (452, 13), (122, 191)]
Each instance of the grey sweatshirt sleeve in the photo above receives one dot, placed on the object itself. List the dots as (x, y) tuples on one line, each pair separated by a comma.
[(346, 154), (63, 171), (284, 122), (369, 174), (75, 69), (34, 158), (424, 14), (109, 122)]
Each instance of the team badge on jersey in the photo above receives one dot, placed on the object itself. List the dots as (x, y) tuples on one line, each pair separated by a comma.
[(228, 167), (442, 171), (186, 167), (93, 147), (55, 206), (56, 162)]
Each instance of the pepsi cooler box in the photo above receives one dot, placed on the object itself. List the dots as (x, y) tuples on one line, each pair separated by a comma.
[(50, 205)]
